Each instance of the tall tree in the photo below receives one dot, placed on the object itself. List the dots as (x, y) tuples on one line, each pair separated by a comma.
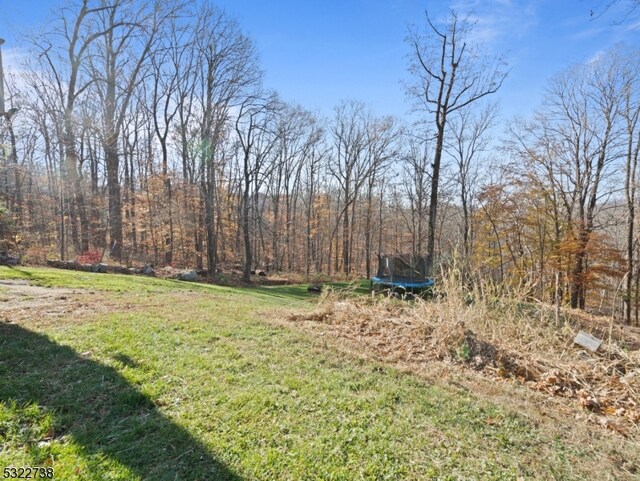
[(350, 166), (469, 139), (569, 151), (297, 133), (450, 74), (417, 180), (65, 62), (630, 111), (382, 149), (228, 73), (588, 103), (170, 68), (257, 140), (120, 59)]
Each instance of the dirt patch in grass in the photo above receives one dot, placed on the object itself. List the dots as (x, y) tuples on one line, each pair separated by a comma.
[(497, 344), (21, 302)]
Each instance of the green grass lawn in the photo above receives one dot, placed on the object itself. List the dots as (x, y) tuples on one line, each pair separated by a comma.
[(192, 382)]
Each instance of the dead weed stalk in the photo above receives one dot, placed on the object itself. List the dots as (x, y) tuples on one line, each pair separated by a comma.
[(478, 326)]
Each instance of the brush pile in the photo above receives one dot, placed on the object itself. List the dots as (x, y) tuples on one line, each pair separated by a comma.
[(499, 337)]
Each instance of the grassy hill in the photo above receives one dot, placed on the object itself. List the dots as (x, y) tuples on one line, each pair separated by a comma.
[(108, 377)]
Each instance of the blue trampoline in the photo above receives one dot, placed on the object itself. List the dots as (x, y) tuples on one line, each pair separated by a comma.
[(403, 273)]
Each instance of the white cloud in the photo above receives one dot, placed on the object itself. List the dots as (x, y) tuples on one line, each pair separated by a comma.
[(13, 60), (588, 33), (498, 19), (596, 57)]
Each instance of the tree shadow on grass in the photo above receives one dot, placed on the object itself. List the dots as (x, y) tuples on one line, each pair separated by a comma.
[(300, 292), (294, 292), (99, 410)]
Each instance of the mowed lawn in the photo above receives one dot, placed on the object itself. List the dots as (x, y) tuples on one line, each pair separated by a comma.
[(131, 378)]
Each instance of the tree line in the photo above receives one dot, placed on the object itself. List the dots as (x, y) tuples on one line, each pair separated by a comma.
[(145, 134)]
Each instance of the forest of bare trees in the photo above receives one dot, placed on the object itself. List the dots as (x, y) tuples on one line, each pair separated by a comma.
[(144, 134)]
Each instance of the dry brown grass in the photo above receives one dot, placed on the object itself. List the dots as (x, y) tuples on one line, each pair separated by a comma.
[(499, 337), (40, 307)]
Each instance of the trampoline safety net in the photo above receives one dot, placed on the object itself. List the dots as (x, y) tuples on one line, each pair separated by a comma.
[(402, 270)]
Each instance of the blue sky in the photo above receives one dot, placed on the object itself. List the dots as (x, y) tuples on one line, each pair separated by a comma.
[(317, 53)]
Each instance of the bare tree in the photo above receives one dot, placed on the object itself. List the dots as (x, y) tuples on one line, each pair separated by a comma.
[(603, 6), (450, 75), (382, 149), (257, 141), (316, 156), (64, 53), (297, 133), (227, 74), (351, 168), (630, 111), (568, 153), (416, 174), (170, 68), (120, 58), (469, 139)]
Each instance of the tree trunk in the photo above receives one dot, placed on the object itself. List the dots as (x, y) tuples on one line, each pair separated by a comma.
[(246, 272), (112, 162), (168, 256), (630, 249), (577, 287), (345, 242), (433, 200)]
